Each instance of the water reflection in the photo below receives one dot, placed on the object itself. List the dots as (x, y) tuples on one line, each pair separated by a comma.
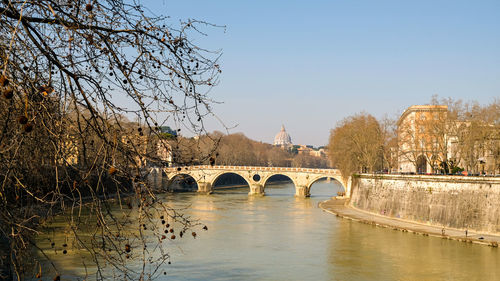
[(281, 237)]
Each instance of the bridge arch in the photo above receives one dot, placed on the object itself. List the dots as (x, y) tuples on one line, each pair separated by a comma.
[(321, 177), (219, 175), (185, 178), (266, 178)]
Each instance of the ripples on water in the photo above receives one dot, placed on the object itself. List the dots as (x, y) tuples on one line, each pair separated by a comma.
[(280, 237)]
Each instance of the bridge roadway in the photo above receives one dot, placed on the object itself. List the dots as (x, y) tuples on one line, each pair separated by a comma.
[(256, 177)]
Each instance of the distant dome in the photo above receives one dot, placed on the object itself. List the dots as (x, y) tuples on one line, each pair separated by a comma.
[(282, 138)]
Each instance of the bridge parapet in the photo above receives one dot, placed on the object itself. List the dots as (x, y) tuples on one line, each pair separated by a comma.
[(254, 168)]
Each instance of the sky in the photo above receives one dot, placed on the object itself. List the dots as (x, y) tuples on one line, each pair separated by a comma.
[(309, 64)]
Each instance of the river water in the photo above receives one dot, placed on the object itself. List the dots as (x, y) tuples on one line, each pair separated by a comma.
[(280, 237)]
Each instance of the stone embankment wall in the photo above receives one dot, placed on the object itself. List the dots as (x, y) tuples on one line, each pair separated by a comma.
[(450, 201)]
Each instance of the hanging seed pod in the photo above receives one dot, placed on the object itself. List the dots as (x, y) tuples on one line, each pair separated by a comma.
[(8, 93), (22, 119), (4, 81), (28, 127), (137, 178), (112, 171), (46, 89), (89, 7), (127, 248)]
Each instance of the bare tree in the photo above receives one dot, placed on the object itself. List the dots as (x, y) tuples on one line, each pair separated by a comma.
[(478, 138), (356, 145), (72, 71), (390, 139)]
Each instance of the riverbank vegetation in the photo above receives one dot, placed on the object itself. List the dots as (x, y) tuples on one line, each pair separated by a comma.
[(72, 75)]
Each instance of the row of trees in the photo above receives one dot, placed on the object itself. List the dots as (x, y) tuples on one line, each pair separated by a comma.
[(451, 136), (477, 136)]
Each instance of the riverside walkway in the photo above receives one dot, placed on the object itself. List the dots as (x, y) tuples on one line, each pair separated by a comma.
[(338, 207)]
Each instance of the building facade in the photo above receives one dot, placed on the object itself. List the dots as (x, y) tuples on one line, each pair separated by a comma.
[(430, 141), (423, 138)]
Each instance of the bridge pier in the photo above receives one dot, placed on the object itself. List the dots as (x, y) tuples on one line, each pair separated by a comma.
[(256, 189), (302, 191), (205, 187)]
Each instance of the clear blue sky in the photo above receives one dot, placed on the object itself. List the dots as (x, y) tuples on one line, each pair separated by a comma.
[(309, 64)]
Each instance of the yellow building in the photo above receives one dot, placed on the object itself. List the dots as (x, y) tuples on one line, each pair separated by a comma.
[(429, 140), (423, 139)]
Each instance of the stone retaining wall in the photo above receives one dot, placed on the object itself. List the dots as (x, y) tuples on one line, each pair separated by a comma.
[(449, 201)]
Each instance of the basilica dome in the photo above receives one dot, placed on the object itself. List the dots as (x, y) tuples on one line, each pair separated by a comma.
[(282, 138)]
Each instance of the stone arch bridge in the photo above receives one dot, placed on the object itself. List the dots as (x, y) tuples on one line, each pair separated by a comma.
[(256, 177)]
